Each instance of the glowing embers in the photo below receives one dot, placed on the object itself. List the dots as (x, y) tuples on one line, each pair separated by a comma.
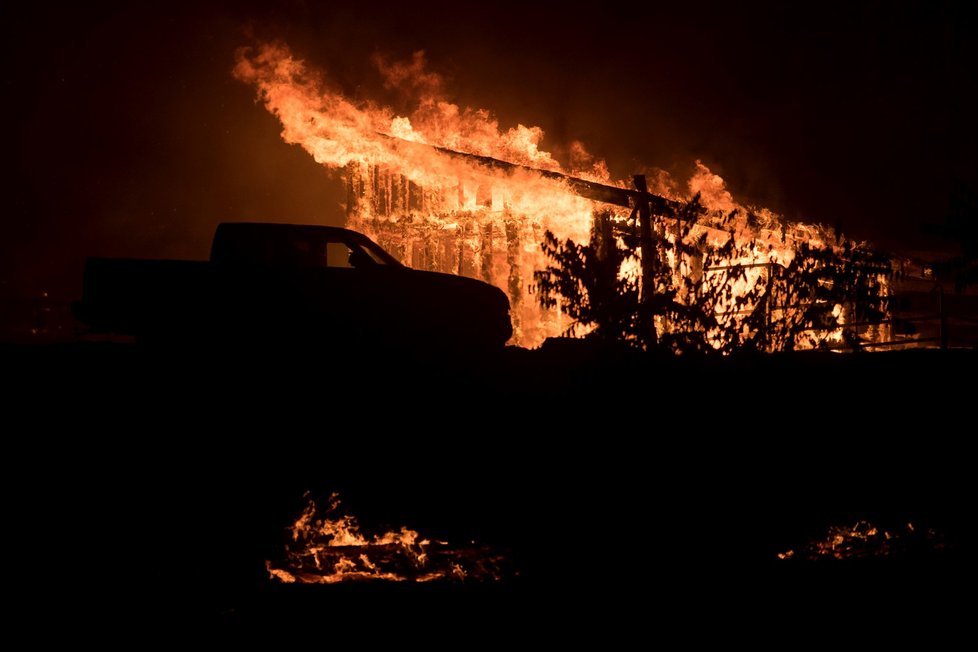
[(328, 547), (864, 540)]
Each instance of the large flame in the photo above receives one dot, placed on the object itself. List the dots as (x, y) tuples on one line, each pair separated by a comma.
[(449, 213)]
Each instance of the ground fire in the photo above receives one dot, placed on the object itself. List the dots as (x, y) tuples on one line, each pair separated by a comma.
[(863, 540), (328, 547), (445, 188)]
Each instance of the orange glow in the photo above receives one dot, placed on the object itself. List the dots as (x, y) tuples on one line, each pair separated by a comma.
[(329, 547), (454, 214), (866, 540)]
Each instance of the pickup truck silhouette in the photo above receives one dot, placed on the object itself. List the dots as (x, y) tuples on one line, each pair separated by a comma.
[(267, 283)]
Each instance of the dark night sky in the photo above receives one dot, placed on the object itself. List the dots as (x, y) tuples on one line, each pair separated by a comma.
[(127, 134)]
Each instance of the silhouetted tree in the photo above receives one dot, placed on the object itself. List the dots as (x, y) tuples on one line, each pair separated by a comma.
[(586, 281), (693, 307), (821, 289)]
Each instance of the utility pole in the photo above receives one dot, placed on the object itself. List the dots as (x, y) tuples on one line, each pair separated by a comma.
[(647, 244)]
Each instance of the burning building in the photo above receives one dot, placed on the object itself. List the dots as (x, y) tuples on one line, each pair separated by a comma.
[(446, 189)]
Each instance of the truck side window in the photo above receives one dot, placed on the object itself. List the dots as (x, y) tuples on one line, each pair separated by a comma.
[(337, 255), (360, 258)]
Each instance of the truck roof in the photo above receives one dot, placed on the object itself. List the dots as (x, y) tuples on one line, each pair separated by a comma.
[(253, 241)]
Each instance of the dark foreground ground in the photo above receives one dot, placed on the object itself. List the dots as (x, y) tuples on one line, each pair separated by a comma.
[(640, 499)]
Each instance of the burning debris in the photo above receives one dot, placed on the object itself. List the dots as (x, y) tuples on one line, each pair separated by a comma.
[(329, 548), (446, 189), (864, 540)]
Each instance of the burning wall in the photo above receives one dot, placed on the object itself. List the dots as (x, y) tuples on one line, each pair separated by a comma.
[(466, 229)]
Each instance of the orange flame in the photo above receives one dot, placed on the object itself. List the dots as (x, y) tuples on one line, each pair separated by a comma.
[(866, 540), (330, 548), (444, 213)]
